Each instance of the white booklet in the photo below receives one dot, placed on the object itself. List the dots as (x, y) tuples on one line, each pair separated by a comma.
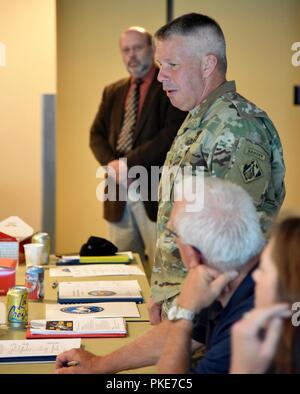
[(96, 270), (77, 327), (35, 351), (105, 309), (100, 291)]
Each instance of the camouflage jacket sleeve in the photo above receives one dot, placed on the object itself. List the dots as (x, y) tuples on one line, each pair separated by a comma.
[(244, 147)]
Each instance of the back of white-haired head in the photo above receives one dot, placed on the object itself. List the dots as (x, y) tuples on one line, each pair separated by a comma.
[(226, 229)]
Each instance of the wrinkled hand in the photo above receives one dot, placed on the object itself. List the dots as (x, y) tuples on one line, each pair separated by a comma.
[(154, 310), (202, 286), (86, 362), (251, 354)]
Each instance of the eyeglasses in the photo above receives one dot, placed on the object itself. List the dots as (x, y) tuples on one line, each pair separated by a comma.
[(171, 232)]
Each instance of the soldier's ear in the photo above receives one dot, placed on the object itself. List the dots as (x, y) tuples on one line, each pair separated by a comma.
[(209, 64)]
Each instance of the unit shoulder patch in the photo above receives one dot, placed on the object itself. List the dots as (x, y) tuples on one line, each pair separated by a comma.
[(251, 171)]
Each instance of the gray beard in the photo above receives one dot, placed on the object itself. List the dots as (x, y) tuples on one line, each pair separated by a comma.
[(141, 71)]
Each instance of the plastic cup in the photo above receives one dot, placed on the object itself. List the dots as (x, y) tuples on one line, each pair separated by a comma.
[(33, 254)]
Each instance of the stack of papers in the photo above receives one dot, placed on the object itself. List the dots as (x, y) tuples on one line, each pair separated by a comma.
[(106, 309), (35, 351), (114, 327), (101, 291)]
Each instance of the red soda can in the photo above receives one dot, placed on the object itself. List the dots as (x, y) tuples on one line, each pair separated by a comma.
[(34, 281)]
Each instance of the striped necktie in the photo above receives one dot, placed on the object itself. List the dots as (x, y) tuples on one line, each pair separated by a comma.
[(125, 139)]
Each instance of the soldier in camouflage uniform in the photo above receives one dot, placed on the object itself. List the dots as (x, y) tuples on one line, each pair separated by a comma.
[(224, 133)]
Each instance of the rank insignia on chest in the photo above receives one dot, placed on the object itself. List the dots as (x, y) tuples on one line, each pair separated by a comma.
[(251, 171)]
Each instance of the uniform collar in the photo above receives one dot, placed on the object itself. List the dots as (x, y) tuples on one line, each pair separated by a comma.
[(226, 87)]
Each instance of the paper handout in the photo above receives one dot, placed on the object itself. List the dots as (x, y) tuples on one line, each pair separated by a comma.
[(96, 270), (39, 350), (105, 309), (99, 291), (60, 271)]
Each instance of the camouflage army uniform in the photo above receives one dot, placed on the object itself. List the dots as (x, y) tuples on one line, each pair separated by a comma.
[(232, 139)]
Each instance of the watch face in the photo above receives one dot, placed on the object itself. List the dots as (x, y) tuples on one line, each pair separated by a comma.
[(177, 313), (172, 313)]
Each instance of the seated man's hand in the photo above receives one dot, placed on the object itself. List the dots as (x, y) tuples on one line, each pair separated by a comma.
[(202, 286), (86, 362)]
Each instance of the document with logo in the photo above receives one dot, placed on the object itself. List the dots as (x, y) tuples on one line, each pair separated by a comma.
[(35, 351), (89, 327), (100, 291), (60, 271), (105, 309)]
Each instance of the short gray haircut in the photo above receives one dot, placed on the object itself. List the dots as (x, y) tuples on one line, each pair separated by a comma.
[(226, 229), (205, 31)]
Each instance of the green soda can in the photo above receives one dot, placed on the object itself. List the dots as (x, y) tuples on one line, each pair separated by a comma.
[(17, 307)]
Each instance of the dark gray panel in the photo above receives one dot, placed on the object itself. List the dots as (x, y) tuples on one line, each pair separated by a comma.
[(297, 95), (170, 7), (48, 166)]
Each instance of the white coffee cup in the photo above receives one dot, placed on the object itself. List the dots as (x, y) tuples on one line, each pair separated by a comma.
[(33, 254)]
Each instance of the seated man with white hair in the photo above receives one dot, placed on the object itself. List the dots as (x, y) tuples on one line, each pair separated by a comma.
[(223, 237), (219, 244)]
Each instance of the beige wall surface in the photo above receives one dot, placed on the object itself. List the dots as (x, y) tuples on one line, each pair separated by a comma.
[(259, 36), (88, 59), (27, 28)]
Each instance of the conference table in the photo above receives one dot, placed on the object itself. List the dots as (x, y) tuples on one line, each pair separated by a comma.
[(99, 346)]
